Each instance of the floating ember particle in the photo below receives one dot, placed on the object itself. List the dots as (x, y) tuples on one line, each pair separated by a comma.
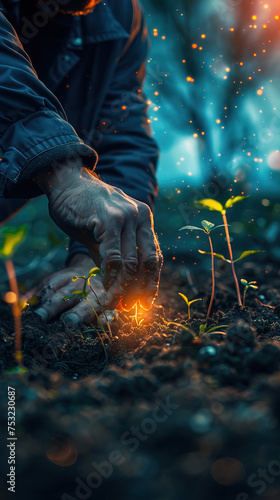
[(10, 298)]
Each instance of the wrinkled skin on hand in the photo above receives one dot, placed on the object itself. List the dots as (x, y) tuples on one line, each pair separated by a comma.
[(75, 310), (104, 217)]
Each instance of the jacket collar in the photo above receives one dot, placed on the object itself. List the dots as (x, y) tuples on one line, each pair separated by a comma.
[(99, 26)]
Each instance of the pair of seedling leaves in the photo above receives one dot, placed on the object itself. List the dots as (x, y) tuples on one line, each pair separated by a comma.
[(84, 292), (207, 226)]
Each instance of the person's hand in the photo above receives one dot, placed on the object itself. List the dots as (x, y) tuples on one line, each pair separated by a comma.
[(53, 288), (96, 213)]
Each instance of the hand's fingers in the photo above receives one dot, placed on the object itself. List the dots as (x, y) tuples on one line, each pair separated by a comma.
[(146, 283), (129, 254), (152, 279), (94, 253), (109, 236), (110, 255), (107, 316), (83, 312), (53, 306), (50, 285), (128, 268)]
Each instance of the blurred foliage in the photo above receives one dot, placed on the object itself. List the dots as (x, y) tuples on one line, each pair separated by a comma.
[(10, 238), (42, 251)]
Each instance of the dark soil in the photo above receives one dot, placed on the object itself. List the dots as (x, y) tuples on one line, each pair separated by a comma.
[(169, 417)]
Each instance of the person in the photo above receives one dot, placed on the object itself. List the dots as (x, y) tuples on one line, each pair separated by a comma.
[(85, 60)]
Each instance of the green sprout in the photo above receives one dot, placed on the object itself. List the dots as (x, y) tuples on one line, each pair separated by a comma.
[(211, 331), (202, 329), (207, 227), (189, 303), (84, 294), (247, 285), (211, 204), (11, 238)]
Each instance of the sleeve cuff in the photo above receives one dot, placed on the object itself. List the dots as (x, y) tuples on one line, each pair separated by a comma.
[(39, 141), (75, 248)]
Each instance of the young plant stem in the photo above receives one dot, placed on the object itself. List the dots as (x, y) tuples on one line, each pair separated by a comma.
[(213, 278), (104, 312), (189, 311), (15, 310), (99, 335), (244, 296), (231, 259)]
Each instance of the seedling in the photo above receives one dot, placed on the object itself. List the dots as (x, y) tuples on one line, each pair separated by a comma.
[(207, 227), (211, 204), (84, 294), (211, 331), (189, 303), (11, 237), (202, 329), (247, 285)]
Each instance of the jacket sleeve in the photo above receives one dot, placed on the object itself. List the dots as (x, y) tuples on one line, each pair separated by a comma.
[(127, 152), (34, 133)]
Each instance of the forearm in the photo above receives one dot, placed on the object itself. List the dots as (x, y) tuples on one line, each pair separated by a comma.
[(34, 132)]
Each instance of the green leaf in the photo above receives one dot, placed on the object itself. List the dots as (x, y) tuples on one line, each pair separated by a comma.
[(247, 253), (207, 225), (11, 238), (229, 203), (202, 328), (244, 282), (79, 278), (191, 228), (254, 287), (67, 298), (214, 328), (220, 225), (218, 255), (185, 298), (193, 301), (211, 204), (80, 293), (93, 272), (168, 323)]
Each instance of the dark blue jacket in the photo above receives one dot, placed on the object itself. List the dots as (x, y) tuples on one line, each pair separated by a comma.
[(90, 69)]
